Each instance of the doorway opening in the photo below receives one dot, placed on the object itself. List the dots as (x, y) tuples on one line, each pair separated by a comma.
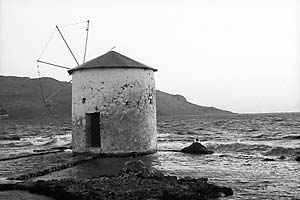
[(93, 129)]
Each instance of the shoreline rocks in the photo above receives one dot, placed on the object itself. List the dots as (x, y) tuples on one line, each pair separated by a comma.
[(196, 148), (134, 182)]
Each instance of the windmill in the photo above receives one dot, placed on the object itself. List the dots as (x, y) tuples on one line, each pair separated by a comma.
[(113, 104), (48, 100)]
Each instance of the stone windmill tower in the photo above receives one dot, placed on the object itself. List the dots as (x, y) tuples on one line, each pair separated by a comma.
[(113, 106), (113, 103)]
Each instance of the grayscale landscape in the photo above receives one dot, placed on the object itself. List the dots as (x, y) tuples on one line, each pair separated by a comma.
[(150, 100)]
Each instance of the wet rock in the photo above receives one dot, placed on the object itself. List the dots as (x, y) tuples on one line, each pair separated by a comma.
[(135, 168), (282, 157), (196, 148), (157, 175), (153, 187)]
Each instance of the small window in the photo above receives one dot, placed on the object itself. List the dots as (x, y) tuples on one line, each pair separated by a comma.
[(83, 100)]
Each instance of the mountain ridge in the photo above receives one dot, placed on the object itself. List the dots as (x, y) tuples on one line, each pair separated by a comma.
[(21, 98)]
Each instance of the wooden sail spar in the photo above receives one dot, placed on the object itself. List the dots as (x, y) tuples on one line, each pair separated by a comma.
[(47, 100)]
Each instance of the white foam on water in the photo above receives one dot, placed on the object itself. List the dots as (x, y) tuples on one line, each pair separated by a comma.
[(40, 140), (62, 140)]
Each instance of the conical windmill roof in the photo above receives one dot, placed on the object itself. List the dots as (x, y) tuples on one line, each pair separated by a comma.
[(111, 59)]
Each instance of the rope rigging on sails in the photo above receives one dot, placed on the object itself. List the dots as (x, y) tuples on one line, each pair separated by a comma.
[(47, 99)]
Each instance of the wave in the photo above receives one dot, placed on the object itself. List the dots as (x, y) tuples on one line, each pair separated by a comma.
[(249, 130), (9, 137), (40, 141), (184, 132), (237, 147), (265, 150), (279, 151), (261, 135), (292, 137), (63, 140), (176, 139), (12, 144)]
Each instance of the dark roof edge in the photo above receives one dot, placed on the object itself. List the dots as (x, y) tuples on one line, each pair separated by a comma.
[(70, 71)]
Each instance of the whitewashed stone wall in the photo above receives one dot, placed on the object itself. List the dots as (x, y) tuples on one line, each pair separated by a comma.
[(126, 100)]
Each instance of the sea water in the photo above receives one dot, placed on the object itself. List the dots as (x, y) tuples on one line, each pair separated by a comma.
[(241, 143)]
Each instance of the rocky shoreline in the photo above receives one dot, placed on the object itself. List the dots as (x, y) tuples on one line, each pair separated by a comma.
[(134, 182)]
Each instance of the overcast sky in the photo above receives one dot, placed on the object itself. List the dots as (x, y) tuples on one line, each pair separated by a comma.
[(238, 55)]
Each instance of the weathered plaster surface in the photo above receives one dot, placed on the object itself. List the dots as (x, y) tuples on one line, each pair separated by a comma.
[(126, 101)]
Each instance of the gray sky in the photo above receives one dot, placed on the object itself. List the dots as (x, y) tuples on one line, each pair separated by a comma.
[(238, 55)]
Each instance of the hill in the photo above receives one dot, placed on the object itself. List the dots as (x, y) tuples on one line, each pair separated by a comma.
[(169, 104), (21, 98)]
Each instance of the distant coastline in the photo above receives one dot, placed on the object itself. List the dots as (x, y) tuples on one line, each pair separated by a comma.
[(22, 98)]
